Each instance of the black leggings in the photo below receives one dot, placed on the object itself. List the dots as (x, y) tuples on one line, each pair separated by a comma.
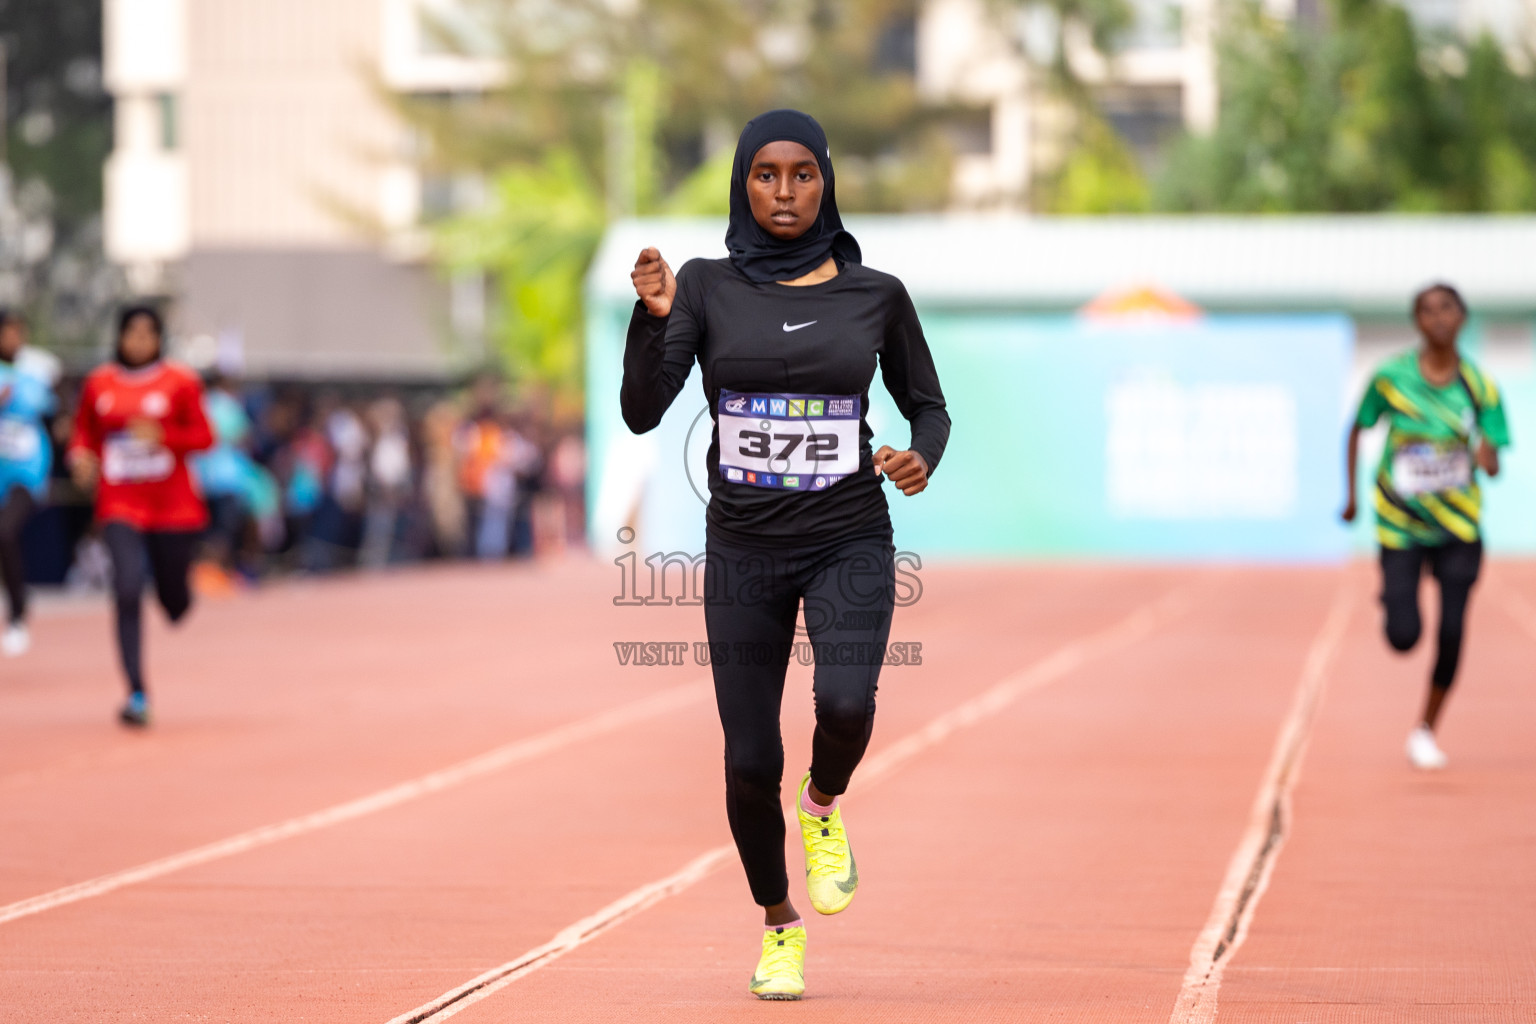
[(164, 555), (752, 597), (1455, 566), (15, 509)]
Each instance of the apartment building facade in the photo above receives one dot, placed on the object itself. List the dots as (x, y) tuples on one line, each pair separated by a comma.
[(259, 180)]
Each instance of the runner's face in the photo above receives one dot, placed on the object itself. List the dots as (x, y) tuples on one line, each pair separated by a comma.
[(140, 342), (784, 188), (1439, 318), (12, 337)]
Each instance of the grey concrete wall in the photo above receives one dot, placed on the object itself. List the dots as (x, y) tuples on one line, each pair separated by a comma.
[(319, 313)]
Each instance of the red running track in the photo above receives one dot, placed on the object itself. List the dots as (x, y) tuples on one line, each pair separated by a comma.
[(1055, 799)]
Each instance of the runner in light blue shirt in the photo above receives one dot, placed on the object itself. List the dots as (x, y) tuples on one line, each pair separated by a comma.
[(26, 454)]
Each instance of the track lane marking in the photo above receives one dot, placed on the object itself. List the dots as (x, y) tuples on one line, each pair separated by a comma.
[(491, 761), (1258, 849), (989, 702)]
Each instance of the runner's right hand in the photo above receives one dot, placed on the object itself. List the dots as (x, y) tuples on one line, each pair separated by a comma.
[(83, 468), (1488, 458), (146, 430), (654, 282), (1348, 515)]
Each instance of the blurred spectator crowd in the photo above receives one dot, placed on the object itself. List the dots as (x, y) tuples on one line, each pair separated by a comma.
[(310, 479)]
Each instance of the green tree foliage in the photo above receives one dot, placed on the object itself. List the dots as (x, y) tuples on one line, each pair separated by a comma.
[(1103, 21), (58, 124), (58, 132), (1100, 176), (1366, 116), (617, 109), (535, 234), (1100, 173)]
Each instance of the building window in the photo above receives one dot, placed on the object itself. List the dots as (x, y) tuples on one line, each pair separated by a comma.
[(1147, 118), (170, 129), (438, 196), (452, 28), (1155, 25), (896, 46), (970, 130)]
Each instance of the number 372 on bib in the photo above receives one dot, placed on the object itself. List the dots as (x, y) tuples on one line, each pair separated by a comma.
[(787, 442)]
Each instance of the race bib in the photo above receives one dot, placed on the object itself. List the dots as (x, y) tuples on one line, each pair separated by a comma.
[(788, 442), (1427, 468), (129, 460), (19, 441)]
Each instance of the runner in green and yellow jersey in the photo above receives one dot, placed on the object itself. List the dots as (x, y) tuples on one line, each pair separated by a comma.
[(1444, 423)]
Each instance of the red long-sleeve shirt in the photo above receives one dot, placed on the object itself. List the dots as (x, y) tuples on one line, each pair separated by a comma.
[(145, 485)]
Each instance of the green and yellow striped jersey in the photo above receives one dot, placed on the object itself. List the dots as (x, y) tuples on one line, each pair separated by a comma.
[(1426, 485)]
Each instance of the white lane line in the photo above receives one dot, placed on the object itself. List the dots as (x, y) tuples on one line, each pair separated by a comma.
[(491, 761), (1252, 863), (588, 928), (1063, 661)]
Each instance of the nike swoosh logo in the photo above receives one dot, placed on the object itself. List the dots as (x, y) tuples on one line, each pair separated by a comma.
[(853, 875), (796, 327)]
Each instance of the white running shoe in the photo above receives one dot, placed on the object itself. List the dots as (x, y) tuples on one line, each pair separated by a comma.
[(1423, 752), (16, 641)]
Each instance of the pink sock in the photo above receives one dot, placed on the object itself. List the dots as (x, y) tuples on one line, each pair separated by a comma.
[(796, 923), (812, 807)]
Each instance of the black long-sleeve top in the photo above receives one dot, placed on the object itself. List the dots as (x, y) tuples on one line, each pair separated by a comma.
[(772, 339)]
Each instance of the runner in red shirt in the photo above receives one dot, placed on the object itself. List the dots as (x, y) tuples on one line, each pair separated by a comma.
[(139, 418)]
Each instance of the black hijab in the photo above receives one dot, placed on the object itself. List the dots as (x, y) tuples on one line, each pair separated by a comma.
[(755, 252), (156, 321)]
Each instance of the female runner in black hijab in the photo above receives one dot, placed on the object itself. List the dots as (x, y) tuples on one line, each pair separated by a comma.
[(788, 331)]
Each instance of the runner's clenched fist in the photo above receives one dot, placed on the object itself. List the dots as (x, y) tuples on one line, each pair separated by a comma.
[(654, 282), (907, 470)]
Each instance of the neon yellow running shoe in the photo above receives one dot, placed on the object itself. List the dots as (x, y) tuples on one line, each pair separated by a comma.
[(780, 973), (831, 876)]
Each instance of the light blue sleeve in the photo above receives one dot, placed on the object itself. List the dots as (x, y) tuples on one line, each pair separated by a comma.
[(30, 397)]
